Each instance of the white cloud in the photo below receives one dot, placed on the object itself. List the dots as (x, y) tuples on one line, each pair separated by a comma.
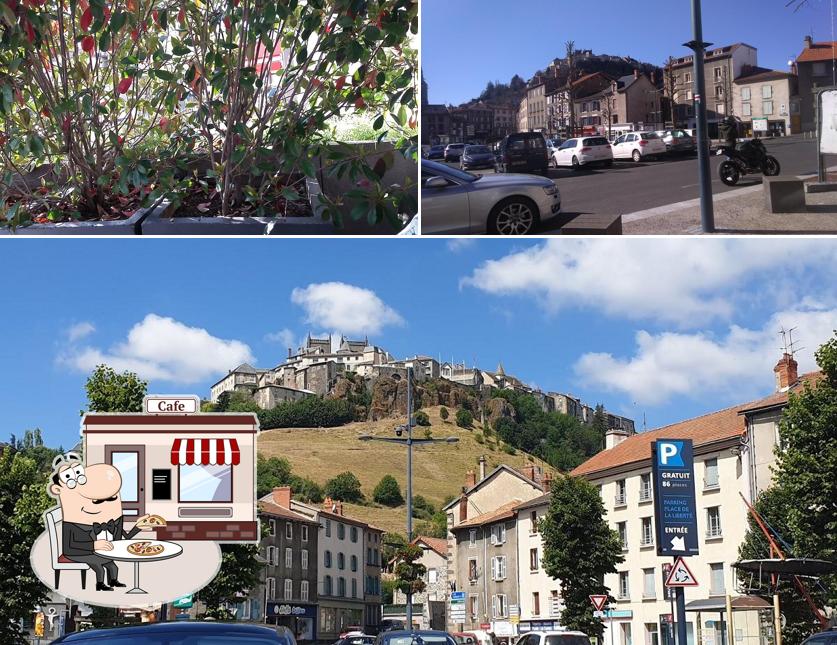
[(164, 349), (741, 364), (456, 244), (345, 308), (79, 331), (682, 281), (285, 337)]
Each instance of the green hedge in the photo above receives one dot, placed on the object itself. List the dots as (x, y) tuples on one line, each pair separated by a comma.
[(310, 412)]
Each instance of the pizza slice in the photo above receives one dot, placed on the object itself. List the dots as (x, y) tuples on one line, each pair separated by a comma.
[(151, 522), (145, 548)]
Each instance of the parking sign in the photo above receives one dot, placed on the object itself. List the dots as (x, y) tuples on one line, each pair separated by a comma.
[(672, 467)]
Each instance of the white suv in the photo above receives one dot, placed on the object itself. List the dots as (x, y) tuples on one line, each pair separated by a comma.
[(638, 146), (582, 151), (553, 638)]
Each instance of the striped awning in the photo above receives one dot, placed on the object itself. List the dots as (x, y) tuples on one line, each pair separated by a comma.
[(205, 452)]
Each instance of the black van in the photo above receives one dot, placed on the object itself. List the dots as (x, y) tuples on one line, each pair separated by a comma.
[(523, 152)]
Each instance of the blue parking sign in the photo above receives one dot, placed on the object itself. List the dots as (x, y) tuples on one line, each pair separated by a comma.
[(675, 513)]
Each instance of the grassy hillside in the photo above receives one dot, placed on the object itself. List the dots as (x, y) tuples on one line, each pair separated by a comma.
[(438, 469)]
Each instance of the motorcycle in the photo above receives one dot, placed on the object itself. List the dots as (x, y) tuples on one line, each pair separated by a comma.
[(751, 158)]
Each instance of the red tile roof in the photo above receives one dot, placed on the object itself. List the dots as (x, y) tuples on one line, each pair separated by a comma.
[(280, 511), (439, 545), (764, 75), (500, 513), (818, 52), (711, 427)]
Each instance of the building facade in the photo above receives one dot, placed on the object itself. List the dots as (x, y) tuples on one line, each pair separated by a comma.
[(433, 600), (816, 67), (770, 96)]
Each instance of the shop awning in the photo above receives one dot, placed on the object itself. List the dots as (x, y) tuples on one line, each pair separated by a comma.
[(205, 452)]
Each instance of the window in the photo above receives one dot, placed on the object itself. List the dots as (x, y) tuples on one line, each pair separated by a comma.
[(533, 560), (289, 589), (624, 590), (536, 604), (719, 91), (327, 559), (498, 602), (554, 603), (327, 589), (648, 584), (303, 558), (498, 567), (473, 605), (341, 531), (353, 562), (652, 636), (716, 579), (304, 533), (354, 588), (498, 534), (647, 538), (341, 586), (341, 560), (289, 558), (718, 73), (303, 590), (710, 473), (622, 529), (745, 93), (270, 587), (272, 524), (645, 487), (533, 518), (620, 493), (818, 69), (688, 77), (746, 109), (328, 528), (432, 576), (205, 483), (354, 534), (289, 530), (625, 635), (767, 107), (767, 91), (713, 522), (472, 569), (472, 538)]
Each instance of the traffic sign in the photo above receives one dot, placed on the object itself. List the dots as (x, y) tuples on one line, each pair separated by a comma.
[(598, 614), (457, 596), (680, 575), (184, 602), (599, 601), (668, 592), (672, 466)]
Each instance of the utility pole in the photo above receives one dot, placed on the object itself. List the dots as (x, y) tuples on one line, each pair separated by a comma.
[(698, 46)]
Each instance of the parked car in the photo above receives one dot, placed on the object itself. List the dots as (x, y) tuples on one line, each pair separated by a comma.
[(584, 151), (436, 152), (415, 637), (638, 146), (356, 639), (523, 152), (454, 201), (828, 637), (476, 157), (551, 146), (554, 638), (677, 141), (454, 151), (475, 637), (388, 624), (185, 633)]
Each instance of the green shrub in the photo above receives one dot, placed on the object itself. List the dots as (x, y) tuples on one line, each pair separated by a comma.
[(421, 418), (478, 438), (387, 492), (344, 487), (464, 419), (509, 450), (443, 413), (310, 412)]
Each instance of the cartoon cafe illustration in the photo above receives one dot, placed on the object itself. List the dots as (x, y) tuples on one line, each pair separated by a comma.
[(195, 470)]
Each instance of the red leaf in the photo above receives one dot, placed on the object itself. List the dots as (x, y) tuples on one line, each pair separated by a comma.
[(328, 29), (124, 84), (134, 35), (181, 15), (164, 123), (227, 23), (316, 82), (131, 6), (88, 43), (340, 83), (156, 15), (86, 19), (68, 122), (360, 103), (30, 31)]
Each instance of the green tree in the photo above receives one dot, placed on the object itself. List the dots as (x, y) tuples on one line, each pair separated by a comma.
[(108, 391), (272, 472), (345, 487), (409, 573), (23, 500), (464, 418), (421, 418), (600, 421), (390, 545), (579, 548), (443, 413), (388, 492), (236, 401), (239, 571)]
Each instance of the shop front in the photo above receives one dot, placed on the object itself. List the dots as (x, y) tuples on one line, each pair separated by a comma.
[(337, 617), (196, 471), (301, 619), (538, 626)]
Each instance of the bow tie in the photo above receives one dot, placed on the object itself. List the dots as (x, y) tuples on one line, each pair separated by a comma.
[(109, 526)]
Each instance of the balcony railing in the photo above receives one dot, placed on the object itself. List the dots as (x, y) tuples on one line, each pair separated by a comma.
[(714, 532), (711, 484), (645, 494), (620, 500)]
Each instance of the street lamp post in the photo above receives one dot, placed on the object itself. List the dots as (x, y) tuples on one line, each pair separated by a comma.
[(409, 442)]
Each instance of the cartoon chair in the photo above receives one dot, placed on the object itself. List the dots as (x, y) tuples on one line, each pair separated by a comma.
[(60, 562)]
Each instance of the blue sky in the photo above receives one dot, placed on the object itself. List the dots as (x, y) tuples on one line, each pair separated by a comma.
[(466, 43), (671, 328)]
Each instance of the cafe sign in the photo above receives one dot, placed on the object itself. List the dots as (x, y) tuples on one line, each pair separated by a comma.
[(171, 404)]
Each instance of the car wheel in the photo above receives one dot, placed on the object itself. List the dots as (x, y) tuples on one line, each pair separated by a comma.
[(576, 165), (513, 216), (608, 163), (636, 156)]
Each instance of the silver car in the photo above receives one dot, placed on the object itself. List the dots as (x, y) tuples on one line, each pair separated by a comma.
[(453, 201)]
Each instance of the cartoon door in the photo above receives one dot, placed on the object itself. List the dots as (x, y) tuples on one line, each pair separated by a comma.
[(130, 462)]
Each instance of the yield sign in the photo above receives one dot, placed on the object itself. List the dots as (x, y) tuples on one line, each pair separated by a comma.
[(599, 601), (680, 575)]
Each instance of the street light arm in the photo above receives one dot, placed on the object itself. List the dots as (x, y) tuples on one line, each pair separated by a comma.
[(387, 439)]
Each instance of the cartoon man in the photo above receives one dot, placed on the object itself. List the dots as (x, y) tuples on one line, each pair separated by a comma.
[(91, 509)]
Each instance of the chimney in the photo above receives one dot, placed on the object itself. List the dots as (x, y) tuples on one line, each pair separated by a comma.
[(463, 508), (546, 482), (529, 471), (636, 73), (470, 479), (808, 42), (482, 467), (333, 506), (289, 352), (786, 374), (282, 496), (614, 436)]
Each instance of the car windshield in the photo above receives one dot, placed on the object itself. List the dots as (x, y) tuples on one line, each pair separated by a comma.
[(566, 639), (456, 145), (446, 171), (596, 141), (438, 148), (180, 639), (679, 134), (649, 135), (478, 150), (408, 639)]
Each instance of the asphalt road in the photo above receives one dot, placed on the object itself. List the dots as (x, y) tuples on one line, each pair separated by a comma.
[(627, 187)]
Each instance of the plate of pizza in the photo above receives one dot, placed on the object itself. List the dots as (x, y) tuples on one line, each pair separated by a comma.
[(151, 522), (143, 548)]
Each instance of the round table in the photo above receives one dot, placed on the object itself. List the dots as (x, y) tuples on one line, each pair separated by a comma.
[(120, 553)]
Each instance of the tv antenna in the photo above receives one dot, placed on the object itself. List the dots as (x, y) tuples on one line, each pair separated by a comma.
[(788, 343)]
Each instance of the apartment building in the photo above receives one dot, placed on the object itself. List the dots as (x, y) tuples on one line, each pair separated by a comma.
[(771, 96), (733, 450), (817, 67), (433, 599), (372, 595)]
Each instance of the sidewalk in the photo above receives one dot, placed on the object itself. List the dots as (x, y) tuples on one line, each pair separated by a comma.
[(737, 212)]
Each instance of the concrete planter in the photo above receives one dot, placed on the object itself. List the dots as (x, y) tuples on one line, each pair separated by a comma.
[(130, 226)]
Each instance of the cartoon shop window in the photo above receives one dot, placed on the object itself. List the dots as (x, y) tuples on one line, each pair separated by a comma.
[(205, 471)]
